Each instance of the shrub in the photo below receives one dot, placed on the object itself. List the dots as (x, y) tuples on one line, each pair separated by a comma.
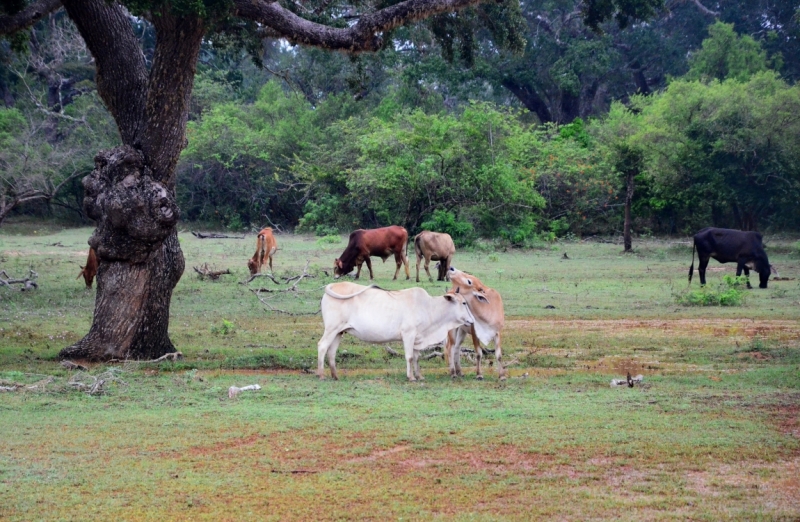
[(445, 221), (729, 293)]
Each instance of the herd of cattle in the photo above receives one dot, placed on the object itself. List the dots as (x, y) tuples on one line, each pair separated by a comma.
[(418, 320)]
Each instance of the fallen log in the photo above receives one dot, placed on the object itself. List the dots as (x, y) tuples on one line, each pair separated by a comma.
[(200, 235)]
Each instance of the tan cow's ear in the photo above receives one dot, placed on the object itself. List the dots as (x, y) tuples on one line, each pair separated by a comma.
[(480, 297)]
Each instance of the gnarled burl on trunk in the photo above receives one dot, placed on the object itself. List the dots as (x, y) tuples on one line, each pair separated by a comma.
[(140, 260)]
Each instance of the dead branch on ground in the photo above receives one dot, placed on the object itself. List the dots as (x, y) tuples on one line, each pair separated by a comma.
[(204, 272), (174, 356), (28, 283), (260, 275), (200, 235), (95, 385), (234, 391), (69, 365)]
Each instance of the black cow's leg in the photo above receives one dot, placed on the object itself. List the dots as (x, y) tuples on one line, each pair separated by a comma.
[(701, 269), (741, 266)]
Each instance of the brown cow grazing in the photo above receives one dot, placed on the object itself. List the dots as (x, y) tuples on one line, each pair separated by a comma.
[(377, 242), (265, 248), (90, 270), (438, 247), (486, 306)]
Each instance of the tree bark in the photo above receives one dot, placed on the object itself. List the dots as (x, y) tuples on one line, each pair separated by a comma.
[(140, 260), (626, 233), (530, 99), (131, 192)]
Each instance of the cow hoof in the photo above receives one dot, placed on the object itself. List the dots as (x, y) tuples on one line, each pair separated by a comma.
[(479, 377)]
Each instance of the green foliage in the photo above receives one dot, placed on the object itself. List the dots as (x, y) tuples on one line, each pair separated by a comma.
[(332, 239), (715, 154), (726, 55), (731, 292), (227, 327), (462, 232)]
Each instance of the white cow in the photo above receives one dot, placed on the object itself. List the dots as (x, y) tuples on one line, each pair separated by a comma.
[(380, 316)]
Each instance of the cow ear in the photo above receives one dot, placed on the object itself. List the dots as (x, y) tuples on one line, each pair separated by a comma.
[(480, 297), (450, 297)]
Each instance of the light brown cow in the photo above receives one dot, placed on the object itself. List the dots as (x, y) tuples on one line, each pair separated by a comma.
[(436, 246), (90, 270), (265, 248), (487, 308), (378, 242)]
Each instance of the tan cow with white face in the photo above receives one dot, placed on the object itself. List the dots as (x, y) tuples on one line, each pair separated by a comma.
[(486, 306)]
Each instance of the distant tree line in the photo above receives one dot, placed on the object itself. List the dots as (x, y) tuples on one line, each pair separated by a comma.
[(330, 143)]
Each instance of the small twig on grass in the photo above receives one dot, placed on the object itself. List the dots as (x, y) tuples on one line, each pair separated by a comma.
[(173, 356), (260, 275), (294, 471), (95, 385), (273, 309)]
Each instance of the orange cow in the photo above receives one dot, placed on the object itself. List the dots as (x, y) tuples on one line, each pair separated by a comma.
[(90, 270), (265, 248)]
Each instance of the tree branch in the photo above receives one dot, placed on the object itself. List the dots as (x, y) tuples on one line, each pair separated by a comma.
[(121, 71), (27, 16), (363, 36)]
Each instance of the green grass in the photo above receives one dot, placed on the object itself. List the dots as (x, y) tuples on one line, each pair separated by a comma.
[(712, 434)]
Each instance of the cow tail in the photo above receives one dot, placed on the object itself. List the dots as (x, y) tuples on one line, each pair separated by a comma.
[(691, 267)]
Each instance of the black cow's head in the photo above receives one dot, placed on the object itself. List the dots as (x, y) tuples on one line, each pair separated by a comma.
[(763, 268)]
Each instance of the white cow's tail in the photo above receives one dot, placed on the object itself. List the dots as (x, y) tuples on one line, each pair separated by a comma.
[(340, 296)]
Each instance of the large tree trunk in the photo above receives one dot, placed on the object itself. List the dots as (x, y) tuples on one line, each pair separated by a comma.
[(131, 192), (530, 99), (140, 260)]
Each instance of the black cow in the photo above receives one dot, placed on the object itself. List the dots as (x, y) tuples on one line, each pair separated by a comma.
[(731, 246)]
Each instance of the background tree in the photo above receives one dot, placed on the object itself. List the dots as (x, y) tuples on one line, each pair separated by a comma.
[(131, 192)]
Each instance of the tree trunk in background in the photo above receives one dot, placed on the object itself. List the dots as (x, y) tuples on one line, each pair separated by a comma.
[(626, 233)]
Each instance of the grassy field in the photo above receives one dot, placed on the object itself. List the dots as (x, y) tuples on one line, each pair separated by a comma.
[(713, 433)]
